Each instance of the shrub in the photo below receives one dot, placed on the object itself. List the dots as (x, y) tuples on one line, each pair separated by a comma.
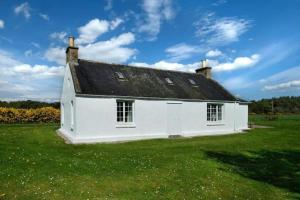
[(13, 115)]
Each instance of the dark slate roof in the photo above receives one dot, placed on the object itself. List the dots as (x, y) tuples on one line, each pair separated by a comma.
[(95, 78)]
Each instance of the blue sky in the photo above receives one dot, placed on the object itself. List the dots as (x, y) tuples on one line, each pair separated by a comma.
[(252, 46)]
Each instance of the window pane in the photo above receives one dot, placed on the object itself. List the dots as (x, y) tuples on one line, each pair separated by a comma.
[(128, 111), (119, 116), (219, 112), (213, 112), (208, 112), (119, 111), (128, 116)]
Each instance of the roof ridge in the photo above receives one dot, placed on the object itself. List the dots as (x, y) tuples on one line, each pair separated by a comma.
[(168, 70)]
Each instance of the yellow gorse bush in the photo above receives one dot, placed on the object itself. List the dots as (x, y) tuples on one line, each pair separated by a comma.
[(13, 115)]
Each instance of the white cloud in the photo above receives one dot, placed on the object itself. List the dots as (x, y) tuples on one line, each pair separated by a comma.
[(115, 23), (6, 86), (1, 24), (157, 11), (89, 32), (61, 36), (283, 76), (269, 56), (36, 45), (237, 83), (219, 2), (112, 50), (287, 79), (6, 60), (44, 16), (11, 91), (182, 51), (221, 31), (273, 55), (28, 53), (92, 30), (6, 39), (56, 54), (22, 81), (168, 66), (238, 63), (109, 5), (23, 9), (38, 71), (214, 53), (11, 67), (283, 86)]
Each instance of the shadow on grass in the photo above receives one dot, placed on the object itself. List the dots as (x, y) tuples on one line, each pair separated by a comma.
[(281, 169)]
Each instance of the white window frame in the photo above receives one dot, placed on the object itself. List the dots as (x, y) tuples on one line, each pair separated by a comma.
[(217, 118), (124, 122)]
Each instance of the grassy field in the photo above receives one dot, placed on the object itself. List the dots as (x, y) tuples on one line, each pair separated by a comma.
[(262, 164)]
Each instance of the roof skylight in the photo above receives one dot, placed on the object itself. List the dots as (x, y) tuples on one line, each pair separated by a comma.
[(120, 75), (192, 81), (169, 81)]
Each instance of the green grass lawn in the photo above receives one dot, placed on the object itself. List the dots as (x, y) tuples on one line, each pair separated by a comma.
[(261, 164)]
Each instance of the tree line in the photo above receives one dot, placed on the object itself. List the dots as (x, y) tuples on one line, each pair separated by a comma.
[(28, 104), (289, 104)]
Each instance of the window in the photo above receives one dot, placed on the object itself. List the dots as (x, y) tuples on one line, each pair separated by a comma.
[(69, 82), (72, 114), (192, 82), (62, 115), (120, 75), (214, 112), (124, 111), (168, 80)]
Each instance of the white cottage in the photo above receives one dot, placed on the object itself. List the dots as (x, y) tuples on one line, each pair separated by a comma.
[(104, 102)]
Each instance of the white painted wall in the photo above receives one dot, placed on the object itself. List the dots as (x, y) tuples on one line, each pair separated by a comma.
[(242, 116), (96, 120), (68, 95)]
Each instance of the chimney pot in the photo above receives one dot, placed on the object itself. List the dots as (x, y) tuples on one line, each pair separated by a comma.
[(204, 63), (204, 69), (71, 41)]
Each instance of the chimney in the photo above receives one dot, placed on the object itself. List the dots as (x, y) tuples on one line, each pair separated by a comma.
[(72, 51), (204, 69)]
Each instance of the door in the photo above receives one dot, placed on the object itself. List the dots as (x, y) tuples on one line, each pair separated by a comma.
[(174, 118)]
